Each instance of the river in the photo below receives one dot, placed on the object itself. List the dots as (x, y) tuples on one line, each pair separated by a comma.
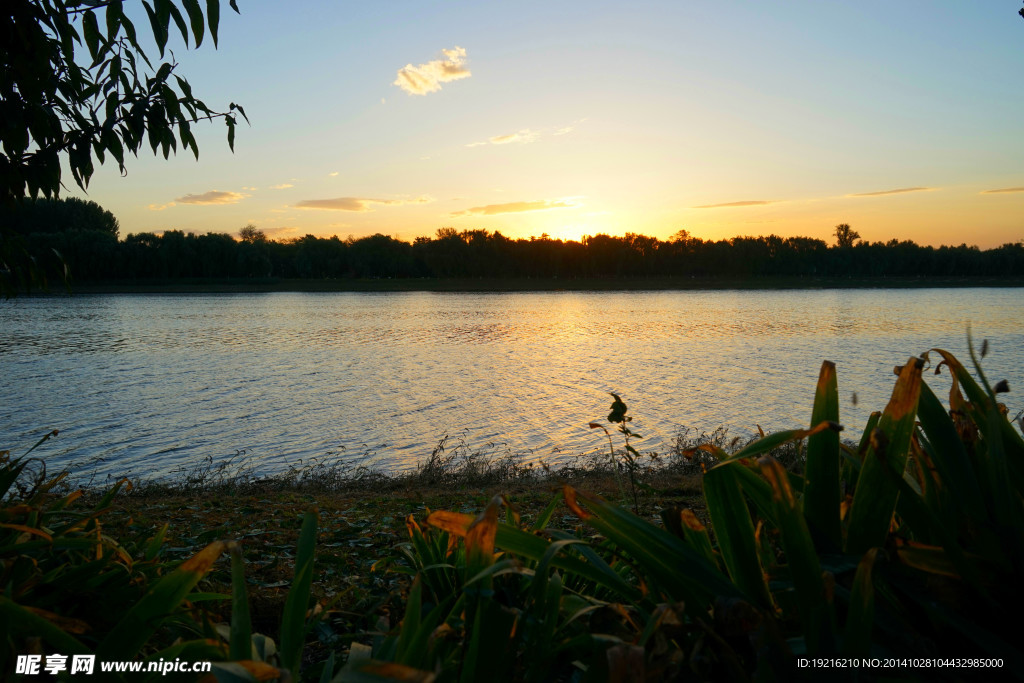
[(147, 384)]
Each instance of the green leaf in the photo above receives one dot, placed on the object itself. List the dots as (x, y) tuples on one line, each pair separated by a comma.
[(821, 475), (108, 497), (860, 617), (240, 641), (114, 17), (410, 622), (91, 28), (213, 18), (545, 516), (376, 671), (815, 608), (875, 498), (533, 547), (293, 622), (179, 21), (681, 572), (159, 29), (155, 544), (956, 472), (22, 622), (126, 640), (489, 644), (195, 17), (735, 532)]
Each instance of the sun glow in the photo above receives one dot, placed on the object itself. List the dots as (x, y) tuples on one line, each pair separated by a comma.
[(572, 233)]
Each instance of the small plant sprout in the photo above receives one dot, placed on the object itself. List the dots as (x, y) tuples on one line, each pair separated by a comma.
[(630, 456)]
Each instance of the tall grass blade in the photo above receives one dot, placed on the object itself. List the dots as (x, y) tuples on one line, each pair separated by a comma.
[(546, 513), (1013, 442), (533, 547), (816, 613), (956, 472), (489, 644), (293, 621), (821, 474), (860, 616), (19, 621), (240, 641), (735, 532), (480, 539), (875, 498), (668, 561), (685, 525), (126, 639), (376, 671), (410, 623)]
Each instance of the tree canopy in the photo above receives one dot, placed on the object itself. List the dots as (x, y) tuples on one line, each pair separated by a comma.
[(77, 85), (58, 215), (146, 258), (845, 235)]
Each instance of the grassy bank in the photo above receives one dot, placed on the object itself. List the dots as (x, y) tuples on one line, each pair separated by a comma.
[(198, 285), (361, 577), (719, 561)]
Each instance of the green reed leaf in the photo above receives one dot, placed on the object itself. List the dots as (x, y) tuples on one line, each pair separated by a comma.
[(735, 532), (126, 639), (240, 641), (821, 474), (875, 498), (293, 621)]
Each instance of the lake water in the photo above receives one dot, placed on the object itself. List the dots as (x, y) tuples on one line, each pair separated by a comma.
[(148, 383)]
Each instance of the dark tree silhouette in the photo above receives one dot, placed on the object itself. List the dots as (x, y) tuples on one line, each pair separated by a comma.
[(72, 92), (845, 235), (251, 234)]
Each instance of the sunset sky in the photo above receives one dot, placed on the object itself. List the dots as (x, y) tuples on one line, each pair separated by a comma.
[(723, 118)]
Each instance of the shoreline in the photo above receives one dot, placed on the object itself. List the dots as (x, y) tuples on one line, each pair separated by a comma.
[(268, 285)]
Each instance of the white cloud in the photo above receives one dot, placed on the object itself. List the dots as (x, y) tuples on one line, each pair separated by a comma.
[(522, 137), (427, 78), (282, 186), (1003, 190), (747, 202), (356, 204), (517, 207), (899, 190), (212, 197)]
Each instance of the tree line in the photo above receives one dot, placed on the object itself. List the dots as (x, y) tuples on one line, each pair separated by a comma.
[(86, 238)]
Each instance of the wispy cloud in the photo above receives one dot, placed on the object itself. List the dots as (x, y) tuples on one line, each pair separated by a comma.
[(748, 202), (522, 137), (282, 186), (1003, 189), (899, 190), (212, 197), (333, 173), (427, 78), (356, 204), (517, 207), (160, 207)]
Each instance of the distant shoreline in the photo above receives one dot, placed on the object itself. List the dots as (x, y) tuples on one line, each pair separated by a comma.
[(257, 285)]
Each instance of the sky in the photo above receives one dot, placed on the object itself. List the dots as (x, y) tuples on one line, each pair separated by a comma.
[(719, 117)]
